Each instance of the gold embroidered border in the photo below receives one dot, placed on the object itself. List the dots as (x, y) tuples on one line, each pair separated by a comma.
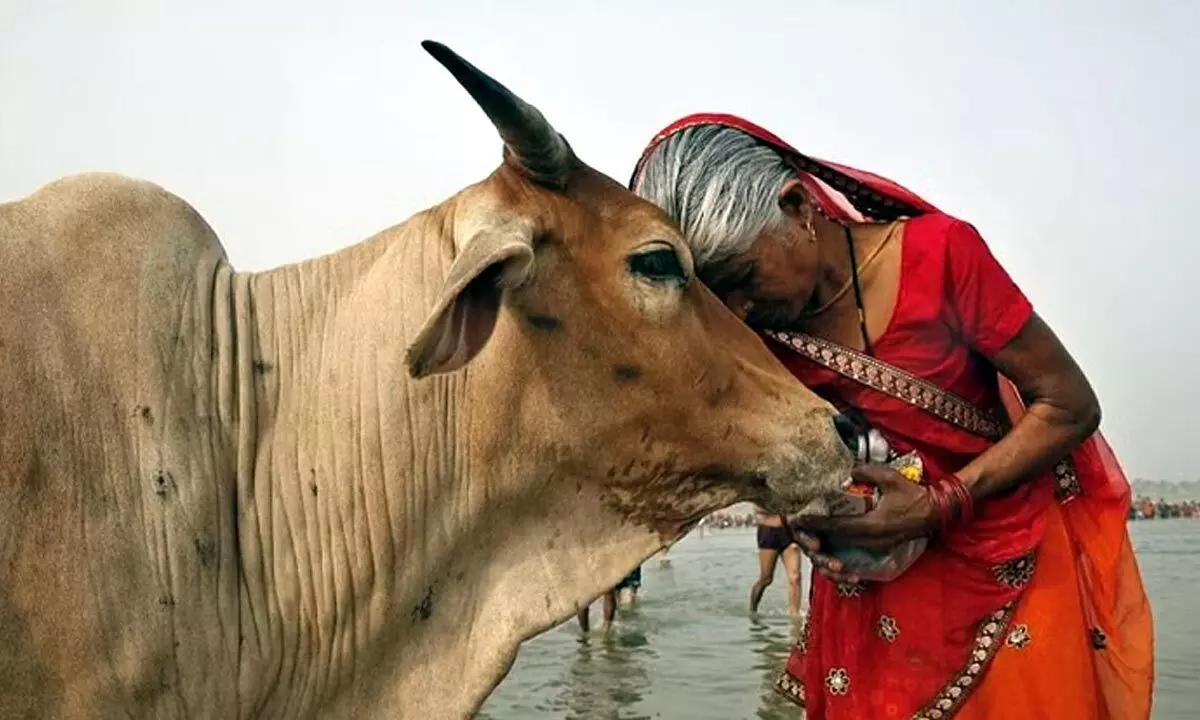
[(1066, 480), (987, 641), (785, 684), (894, 382), (801, 644), (790, 688)]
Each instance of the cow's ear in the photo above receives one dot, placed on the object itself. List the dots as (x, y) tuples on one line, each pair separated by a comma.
[(469, 302)]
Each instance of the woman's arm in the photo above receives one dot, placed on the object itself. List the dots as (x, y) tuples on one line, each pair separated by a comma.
[(1061, 412), (988, 312)]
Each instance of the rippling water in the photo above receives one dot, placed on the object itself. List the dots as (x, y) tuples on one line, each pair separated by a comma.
[(690, 650)]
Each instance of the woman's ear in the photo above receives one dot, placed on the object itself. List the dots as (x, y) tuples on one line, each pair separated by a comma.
[(793, 200), (797, 206)]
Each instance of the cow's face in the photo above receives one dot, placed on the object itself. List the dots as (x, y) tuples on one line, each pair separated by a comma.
[(626, 372)]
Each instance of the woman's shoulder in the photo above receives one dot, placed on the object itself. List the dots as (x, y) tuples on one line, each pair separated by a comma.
[(925, 241), (952, 263), (934, 239), (932, 228)]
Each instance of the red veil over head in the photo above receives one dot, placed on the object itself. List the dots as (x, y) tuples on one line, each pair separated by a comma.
[(840, 192)]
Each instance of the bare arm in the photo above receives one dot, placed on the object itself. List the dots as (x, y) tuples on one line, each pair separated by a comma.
[(1061, 408), (1062, 411)]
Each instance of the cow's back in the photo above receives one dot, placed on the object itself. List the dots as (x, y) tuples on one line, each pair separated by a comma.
[(117, 575)]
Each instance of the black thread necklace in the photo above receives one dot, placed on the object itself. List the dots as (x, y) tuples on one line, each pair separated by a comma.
[(858, 299)]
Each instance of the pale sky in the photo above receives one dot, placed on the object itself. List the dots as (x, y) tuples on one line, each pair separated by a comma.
[(1065, 131)]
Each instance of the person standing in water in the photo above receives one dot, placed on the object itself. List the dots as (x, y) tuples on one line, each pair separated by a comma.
[(775, 542), (632, 582)]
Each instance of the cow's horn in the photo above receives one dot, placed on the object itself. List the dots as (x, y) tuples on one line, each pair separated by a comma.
[(531, 143)]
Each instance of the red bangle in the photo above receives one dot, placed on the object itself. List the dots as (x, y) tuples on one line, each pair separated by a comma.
[(966, 509), (941, 503), (953, 502)]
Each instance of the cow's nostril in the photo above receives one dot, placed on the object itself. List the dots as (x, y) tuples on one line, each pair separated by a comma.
[(866, 444), (847, 431)]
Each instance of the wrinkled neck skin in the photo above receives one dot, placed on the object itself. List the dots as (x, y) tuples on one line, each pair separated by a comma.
[(399, 538)]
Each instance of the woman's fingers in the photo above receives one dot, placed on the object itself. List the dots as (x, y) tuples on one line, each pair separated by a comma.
[(808, 543), (828, 565), (824, 562)]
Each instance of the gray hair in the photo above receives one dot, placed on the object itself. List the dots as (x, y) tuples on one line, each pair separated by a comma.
[(720, 184)]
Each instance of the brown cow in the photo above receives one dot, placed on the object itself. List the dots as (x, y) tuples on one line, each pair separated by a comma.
[(222, 494)]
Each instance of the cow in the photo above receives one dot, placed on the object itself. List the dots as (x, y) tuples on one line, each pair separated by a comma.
[(351, 487)]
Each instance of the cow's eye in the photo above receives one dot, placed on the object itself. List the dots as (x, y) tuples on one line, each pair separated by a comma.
[(659, 265)]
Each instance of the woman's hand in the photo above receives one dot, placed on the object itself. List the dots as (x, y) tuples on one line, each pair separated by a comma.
[(905, 511), (829, 566)]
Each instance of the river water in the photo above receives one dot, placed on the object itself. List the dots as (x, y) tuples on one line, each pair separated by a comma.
[(689, 649)]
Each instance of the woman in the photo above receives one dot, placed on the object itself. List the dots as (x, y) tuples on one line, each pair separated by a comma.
[(1027, 602), (775, 541)]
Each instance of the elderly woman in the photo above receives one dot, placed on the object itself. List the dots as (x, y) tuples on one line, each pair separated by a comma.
[(1027, 601)]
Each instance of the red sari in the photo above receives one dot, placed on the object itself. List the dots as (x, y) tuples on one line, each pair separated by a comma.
[(1034, 610)]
